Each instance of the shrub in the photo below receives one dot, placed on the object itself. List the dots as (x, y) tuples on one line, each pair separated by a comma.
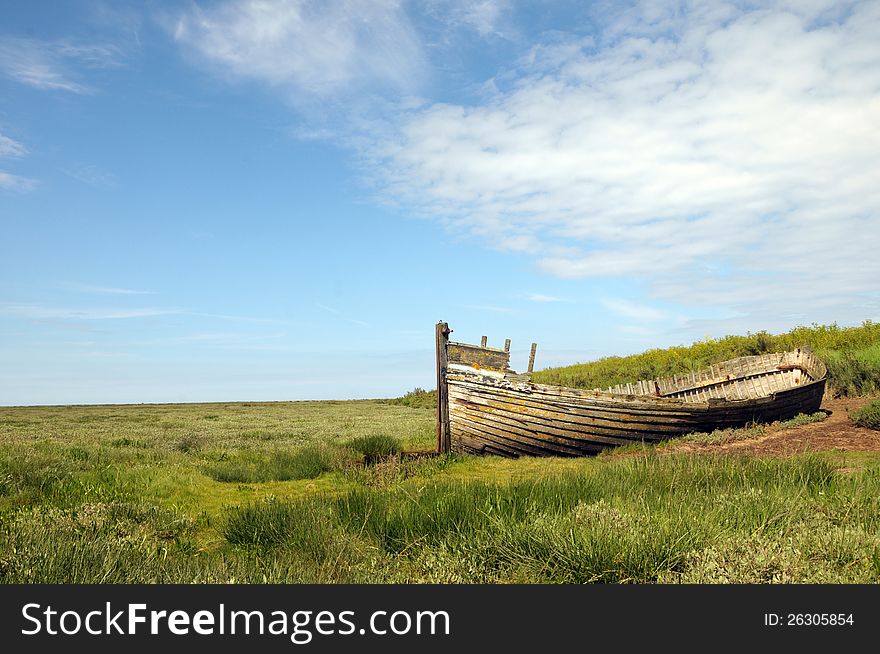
[(418, 398), (852, 355), (853, 372), (868, 416)]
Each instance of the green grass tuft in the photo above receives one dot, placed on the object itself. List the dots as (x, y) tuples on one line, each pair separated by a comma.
[(250, 467), (302, 526), (191, 442), (803, 419), (375, 448)]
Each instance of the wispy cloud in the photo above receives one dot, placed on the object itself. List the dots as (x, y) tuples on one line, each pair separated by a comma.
[(538, 297), (680, 138), (634, 311), (10, 148), (103, 290), (234, 318), (90, 175), (328, 309), (484, 16), (337, 312), (16, 183), (51, 65), (37, 312), (308, 49), (637, 330), (229, 341), (488, 307)]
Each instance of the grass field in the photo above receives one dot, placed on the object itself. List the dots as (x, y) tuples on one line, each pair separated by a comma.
[(345, 492), (313, 492)]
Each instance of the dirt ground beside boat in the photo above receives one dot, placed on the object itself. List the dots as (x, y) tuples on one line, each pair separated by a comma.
[(836, 432)]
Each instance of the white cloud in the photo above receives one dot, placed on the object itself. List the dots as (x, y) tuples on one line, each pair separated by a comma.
[(305, 47), (46, 65), (724, 156)]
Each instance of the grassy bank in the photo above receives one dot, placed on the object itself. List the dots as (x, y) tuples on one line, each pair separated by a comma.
[(852, 355)]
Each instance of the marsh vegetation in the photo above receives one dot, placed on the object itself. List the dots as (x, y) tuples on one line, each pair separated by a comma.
[(347, 492)]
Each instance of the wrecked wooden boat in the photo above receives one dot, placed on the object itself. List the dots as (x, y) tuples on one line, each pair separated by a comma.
[(486, 408)]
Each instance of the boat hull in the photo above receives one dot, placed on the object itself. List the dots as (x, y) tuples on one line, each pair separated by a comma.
[(486, 408), (494, 416)]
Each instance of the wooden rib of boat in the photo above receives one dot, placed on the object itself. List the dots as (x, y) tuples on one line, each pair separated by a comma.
[(486, 408)]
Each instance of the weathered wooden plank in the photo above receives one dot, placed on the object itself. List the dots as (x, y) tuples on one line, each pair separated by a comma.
[(511, 432), (479, 443), (736, 368), (491, 443), (563, 434), (723, 412), (532, 357), (601, 404), (506, 441), (765, 383), (598, 426), (576, 423), (442, 428), (646, 404), (736, 387), (564, 392), (610, 416), (519, 439), (479, 357), (509, 442)]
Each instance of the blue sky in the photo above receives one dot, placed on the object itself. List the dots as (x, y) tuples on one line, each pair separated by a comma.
[(278, 200)]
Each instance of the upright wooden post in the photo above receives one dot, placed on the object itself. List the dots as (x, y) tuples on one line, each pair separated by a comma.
[(507, 345), (443, 440), (532, 357), (484, 341)]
